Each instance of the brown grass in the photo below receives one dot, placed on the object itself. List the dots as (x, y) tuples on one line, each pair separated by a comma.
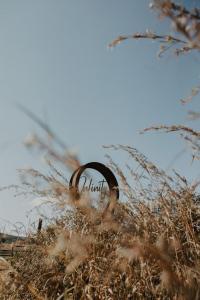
[(144, 250)]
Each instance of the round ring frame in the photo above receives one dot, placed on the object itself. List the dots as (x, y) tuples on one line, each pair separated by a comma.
[(102, 169)]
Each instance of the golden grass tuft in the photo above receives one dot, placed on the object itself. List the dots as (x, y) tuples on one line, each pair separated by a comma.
[(135, 253)]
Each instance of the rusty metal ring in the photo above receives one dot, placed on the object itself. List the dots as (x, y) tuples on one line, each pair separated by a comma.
[(101, 168)]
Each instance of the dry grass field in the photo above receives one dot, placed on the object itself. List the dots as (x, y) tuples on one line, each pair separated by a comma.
[(141, 250)]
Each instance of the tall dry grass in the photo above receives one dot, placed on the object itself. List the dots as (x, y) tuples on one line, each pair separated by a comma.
[(148, 248)]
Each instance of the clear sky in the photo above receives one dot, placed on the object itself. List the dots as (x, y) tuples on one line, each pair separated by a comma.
[(54, 60)]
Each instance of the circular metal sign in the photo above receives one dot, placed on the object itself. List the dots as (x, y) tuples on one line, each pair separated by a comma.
[(103, 170)]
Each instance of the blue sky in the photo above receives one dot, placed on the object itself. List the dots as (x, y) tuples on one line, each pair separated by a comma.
[(55, 61)]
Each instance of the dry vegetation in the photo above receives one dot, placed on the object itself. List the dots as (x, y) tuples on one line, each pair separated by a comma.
[(144, 250), (148, 248)]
